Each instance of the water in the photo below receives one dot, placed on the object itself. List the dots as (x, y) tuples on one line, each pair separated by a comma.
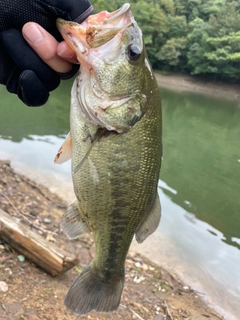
[(199, 235)]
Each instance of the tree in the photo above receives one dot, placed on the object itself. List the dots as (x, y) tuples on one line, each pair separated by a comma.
[(225, 55), (188, 8), (172, 54), (197, 47), (226, 20), (176, 27)]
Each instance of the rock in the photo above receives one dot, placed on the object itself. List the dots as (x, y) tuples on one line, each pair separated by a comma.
[(138, 280), (21, 258), (138, 265), (144, 267), (3, 286), (186, 288), (47, 220)]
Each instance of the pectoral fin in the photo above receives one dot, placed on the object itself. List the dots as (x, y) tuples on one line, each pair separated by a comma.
[(91, 143), (72, 224), (65, 151), (149, 222)]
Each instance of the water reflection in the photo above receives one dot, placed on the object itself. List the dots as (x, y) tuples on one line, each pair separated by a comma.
[(18, 121), (199, 235), (201, 152)]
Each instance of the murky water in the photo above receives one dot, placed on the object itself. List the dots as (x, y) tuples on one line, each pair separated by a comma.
[(199, 235)]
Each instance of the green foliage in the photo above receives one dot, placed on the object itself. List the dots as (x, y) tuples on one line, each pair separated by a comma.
[(152, 21), (197, 46), (226, 20), (190, 36), (225, 55), (176, 26), (172, 53)]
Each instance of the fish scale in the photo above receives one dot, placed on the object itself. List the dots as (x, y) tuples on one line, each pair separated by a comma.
[(115, 172)]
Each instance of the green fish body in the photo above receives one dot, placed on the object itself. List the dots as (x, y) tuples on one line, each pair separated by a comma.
[(115, 145)]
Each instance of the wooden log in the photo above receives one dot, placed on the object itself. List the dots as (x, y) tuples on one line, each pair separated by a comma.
[(35, 248)]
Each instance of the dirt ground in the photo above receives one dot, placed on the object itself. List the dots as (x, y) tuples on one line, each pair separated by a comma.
[(28, 293), (187, 83)]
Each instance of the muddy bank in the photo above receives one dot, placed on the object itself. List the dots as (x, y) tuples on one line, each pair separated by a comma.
[(28, 293), (184, 83)]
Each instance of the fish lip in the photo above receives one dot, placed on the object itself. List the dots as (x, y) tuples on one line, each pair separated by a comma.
[(106, 16), (107, 26), (63, 25), (96, 31), (118, 13)]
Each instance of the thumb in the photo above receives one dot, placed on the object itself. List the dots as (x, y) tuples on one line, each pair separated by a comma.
[(45, 45)]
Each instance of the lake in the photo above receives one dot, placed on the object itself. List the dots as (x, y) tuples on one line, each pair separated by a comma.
[(199, 235)]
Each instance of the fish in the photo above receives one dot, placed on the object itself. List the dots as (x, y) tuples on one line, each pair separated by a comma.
[(115, 147)]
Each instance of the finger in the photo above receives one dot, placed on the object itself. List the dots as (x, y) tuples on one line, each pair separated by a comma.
[(66, 53), (25, 58), (9, 72), (31, 90), (45, 45)]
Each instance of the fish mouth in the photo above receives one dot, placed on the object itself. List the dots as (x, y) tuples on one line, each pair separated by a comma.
[(101, 43), (95, 31), (107, 17)]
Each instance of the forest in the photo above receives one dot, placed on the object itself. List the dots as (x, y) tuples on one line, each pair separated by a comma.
[(197, 37)]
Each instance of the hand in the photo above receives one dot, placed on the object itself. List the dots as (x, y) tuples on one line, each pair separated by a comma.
[(21, 68), (58, 56)]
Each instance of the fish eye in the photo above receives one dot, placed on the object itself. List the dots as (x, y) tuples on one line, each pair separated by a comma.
[(134, 52)]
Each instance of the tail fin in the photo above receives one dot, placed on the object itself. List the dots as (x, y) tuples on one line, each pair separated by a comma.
[(91, 292)]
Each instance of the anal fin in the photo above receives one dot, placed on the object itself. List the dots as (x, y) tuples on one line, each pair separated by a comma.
[(72, 224), (149, 222)]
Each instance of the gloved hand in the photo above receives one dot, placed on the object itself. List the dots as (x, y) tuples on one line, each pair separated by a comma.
[(21, 70)]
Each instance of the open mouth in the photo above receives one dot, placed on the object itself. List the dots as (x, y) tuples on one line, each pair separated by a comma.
[(97, 29)]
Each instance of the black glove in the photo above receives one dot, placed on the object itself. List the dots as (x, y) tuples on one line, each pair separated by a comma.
[(21, 70)]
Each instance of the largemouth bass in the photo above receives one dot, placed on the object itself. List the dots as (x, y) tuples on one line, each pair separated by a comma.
[(115, 146)]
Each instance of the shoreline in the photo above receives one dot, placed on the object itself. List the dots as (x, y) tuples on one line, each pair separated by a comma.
[(150, 291), (186, 83)]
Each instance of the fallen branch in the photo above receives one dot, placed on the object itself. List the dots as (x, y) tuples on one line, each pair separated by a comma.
[(35, 248), (214, 314), (136, 314), (168, 311)]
